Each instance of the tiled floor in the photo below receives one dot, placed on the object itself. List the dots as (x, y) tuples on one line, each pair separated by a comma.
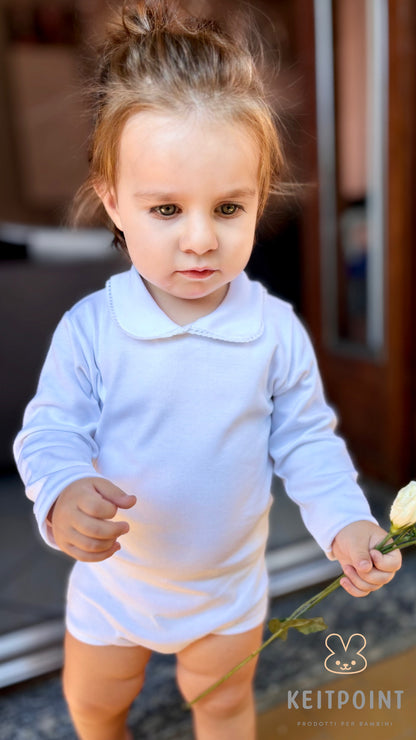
[(396, 674)]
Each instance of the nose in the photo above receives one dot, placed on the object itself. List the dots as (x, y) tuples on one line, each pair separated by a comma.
[(198, 235)]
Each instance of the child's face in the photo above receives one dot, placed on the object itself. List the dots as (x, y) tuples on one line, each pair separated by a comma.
[(186, 200)]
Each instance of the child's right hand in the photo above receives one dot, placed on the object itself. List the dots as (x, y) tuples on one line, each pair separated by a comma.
[(80, 519)]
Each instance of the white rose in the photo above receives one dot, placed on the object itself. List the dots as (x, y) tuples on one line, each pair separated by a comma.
[(403, 510)]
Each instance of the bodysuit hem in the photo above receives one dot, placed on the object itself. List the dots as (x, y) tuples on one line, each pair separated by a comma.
[(237, 627)]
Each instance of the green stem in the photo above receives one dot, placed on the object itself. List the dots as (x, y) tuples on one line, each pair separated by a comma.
[(384, 542), (402, 546), (316, 599), (397, 541)]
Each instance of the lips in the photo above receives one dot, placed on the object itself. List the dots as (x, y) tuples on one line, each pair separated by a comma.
[(198, 273)]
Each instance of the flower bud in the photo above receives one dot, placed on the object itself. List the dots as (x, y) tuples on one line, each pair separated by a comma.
[(403, 510)]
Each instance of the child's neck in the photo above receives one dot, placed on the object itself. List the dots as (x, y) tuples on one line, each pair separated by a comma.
[(184, 311)]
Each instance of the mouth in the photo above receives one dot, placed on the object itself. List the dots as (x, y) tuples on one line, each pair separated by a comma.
[(198, 273)]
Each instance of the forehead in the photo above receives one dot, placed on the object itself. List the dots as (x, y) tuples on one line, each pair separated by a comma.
[(156, 144)]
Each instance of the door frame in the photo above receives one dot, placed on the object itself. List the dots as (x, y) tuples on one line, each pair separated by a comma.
[(374, 398)]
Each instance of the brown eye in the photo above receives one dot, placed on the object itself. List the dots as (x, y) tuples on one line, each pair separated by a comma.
[(167, 210), (229, 209)]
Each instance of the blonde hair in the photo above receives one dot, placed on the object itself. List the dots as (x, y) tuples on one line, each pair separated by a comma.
[(158, 58)]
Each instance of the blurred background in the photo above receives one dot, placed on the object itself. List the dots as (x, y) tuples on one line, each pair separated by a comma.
[(342, 251)]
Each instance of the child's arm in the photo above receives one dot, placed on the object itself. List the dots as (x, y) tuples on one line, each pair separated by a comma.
[(310, 458), (57, 445), (366, 569), (316, 468), (80, 518)]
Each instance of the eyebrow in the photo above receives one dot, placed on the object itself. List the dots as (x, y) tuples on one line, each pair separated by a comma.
[(162, 196)]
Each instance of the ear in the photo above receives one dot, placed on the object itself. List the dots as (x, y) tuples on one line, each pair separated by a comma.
[(357, 642), (334, 643), (109, 200)]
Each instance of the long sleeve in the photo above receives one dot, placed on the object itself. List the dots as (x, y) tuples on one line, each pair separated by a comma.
[(56, 444), (309, 457)]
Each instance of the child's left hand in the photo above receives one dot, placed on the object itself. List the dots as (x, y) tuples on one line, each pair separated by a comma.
[(365, 568)]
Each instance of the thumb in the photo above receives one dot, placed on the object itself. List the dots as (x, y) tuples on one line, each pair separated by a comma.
[(361, 559), (115, 495), (390, 561)]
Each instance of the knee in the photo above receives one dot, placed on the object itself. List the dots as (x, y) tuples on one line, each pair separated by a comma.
[(224, 701), (90, 703), (81, 703)]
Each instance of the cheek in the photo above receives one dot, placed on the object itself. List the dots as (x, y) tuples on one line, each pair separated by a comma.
[(239, 238), (244, 245), (138, 238), (146, 254)]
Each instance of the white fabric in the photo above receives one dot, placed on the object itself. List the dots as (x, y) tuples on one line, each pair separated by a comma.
[(192, 420)]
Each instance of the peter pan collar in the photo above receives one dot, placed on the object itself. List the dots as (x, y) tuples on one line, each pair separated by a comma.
[(239, 318)]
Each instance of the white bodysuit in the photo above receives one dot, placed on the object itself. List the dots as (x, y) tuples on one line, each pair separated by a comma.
[(192, 420)]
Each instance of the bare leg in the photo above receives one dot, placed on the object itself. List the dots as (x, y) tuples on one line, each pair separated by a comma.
[(229, 711), (100, 683)]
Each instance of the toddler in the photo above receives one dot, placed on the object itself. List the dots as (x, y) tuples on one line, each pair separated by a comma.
[(168, 399)]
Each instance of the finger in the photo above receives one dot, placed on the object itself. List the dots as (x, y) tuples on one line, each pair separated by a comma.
[(390, 562), (100, 529), (361, 561), (113, 494), (89, 544), (351, 589), (96, 507), (90, 557), (367, 581)]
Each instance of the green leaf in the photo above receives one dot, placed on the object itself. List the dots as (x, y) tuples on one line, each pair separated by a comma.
[(275, 625), (316, 624), (306, 626)]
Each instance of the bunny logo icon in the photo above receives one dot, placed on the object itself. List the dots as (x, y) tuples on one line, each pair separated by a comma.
[(345, 658)]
